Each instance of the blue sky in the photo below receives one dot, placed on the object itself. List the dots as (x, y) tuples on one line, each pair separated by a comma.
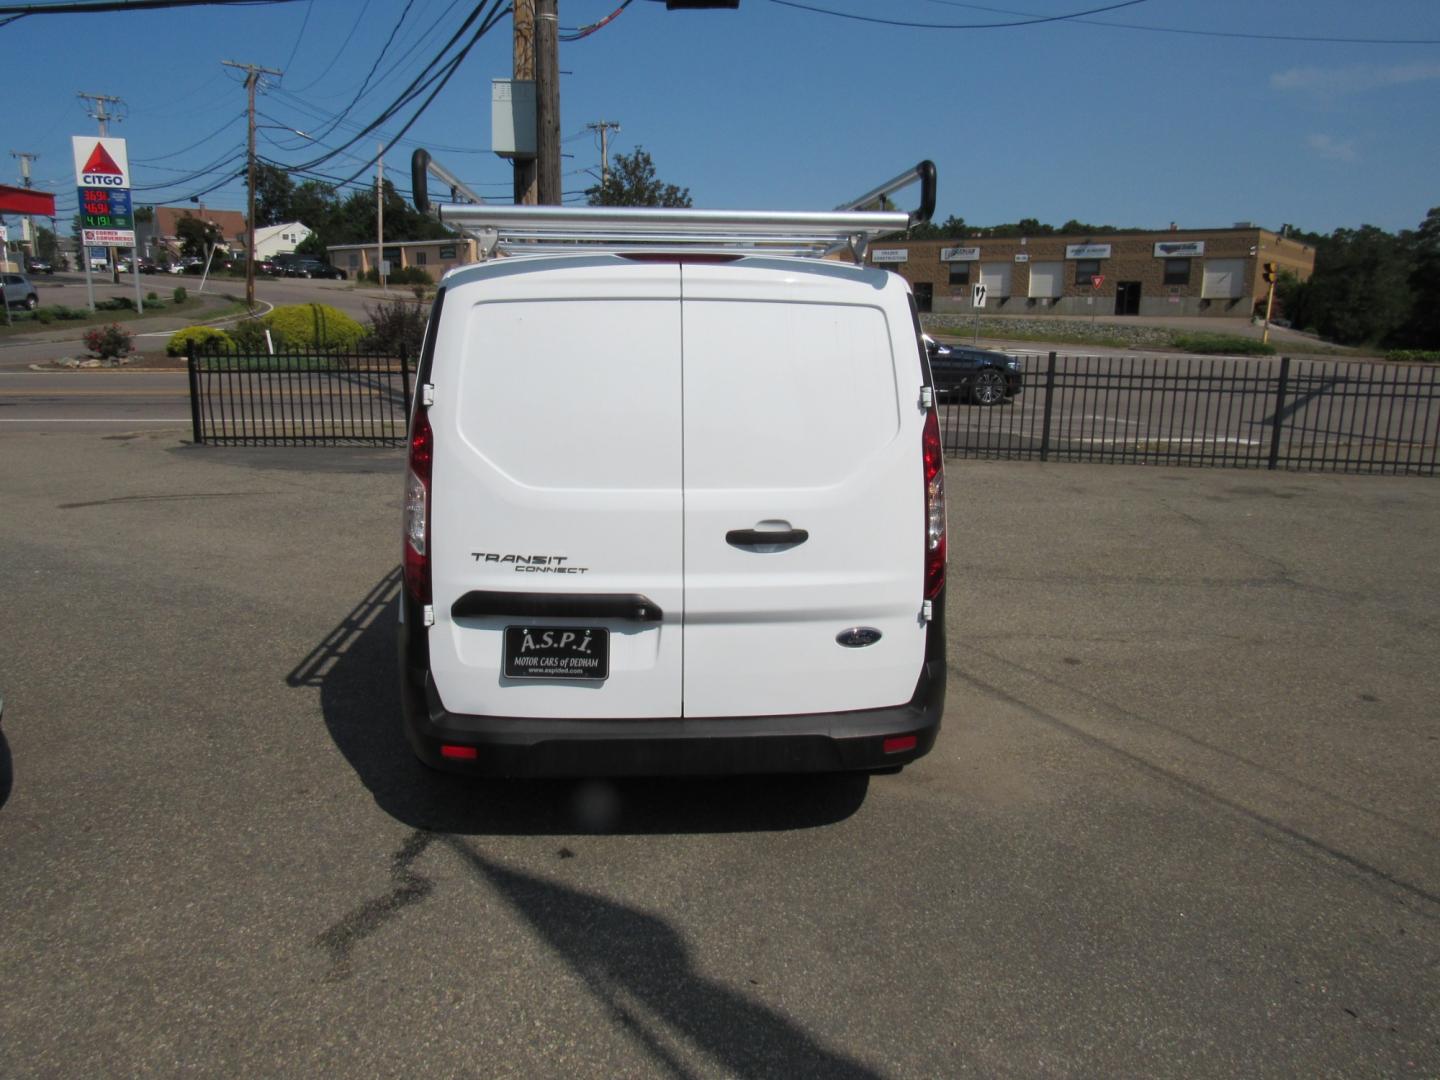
[(774, 106)]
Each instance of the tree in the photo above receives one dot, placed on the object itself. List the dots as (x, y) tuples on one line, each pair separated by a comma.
[(196, 236), (274, 194), (1422, 329), (46, 246), (631, 182)]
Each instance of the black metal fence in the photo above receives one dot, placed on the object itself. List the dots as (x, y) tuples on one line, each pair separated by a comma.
[(299, 399), (1277, 414)]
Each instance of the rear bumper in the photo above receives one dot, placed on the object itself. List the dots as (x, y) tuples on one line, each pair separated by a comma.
[(807, 743)]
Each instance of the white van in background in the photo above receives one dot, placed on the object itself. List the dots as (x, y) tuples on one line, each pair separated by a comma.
[(672, 511)]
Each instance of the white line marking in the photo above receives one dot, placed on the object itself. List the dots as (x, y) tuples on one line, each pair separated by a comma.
[(98, 420)]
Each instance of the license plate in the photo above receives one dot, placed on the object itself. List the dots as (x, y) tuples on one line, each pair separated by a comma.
[(557, 652)]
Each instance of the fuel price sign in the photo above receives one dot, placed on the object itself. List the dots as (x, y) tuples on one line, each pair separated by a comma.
[(106, 217)]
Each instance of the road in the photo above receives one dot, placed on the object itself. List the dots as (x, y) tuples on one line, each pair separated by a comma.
[(1180, 822), (94, 400)]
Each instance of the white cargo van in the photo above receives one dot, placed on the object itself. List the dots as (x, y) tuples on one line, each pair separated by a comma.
[(672, 508)]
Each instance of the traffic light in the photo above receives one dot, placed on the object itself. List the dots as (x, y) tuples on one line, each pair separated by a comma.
[(1272, 272)]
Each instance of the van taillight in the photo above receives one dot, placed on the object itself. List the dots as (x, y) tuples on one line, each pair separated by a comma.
[(934, 506), (417, 510)]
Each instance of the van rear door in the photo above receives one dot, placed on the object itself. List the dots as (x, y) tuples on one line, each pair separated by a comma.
[(801, 417), (557, 479)]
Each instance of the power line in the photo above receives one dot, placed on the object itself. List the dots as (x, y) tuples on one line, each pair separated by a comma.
[(360, 18), (1210, 33), (1033, 21), (12, 12)]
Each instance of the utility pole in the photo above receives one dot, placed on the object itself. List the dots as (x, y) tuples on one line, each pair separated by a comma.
[(523, 70), (604, 127), (29, 225), (252, 77), (102, 118), (547, 102), (97, 111), (380, 274)]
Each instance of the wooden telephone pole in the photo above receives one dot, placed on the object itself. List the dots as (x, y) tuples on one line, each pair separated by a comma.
[(252, 76), (537, 59)]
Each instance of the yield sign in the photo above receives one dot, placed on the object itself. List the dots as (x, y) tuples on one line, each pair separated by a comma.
[(1096, 280)]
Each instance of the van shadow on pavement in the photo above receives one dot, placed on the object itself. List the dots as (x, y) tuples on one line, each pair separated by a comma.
[(355, 669)]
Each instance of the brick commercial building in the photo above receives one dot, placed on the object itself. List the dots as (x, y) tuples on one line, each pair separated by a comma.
[(1174, 272)]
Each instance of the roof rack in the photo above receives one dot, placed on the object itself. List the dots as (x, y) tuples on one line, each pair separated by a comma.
[(519, 230)]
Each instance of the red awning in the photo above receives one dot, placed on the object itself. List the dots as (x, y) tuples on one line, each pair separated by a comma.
[(19, 200)]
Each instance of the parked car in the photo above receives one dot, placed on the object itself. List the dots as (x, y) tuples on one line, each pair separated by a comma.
[(20, 292), (313, 268), (648, 588), (39, 266), (147, 266), (983, 376)]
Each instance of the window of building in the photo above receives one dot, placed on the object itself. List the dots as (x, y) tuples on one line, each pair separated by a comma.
[(959, 273), (354, 261), (1177, 271), (1085, 269), (420, 258)]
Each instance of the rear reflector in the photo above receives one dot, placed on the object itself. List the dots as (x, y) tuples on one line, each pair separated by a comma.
[(899, 743), (469, 753)]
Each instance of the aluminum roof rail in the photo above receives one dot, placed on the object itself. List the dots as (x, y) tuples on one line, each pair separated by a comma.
[(517, 230)]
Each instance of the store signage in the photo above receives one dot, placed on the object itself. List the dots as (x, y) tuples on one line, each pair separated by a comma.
[(889, 255), (102, 175), (100, 163), (1179, 249), (1022, 257), (960, 254), (1087, 251)]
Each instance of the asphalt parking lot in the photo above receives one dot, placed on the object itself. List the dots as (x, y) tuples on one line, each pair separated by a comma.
[(1181, 820)]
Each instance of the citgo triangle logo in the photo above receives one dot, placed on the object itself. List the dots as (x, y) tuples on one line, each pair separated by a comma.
[(100, 161)]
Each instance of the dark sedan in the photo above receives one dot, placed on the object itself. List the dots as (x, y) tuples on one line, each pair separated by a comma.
[(313, 268), (983, 376)]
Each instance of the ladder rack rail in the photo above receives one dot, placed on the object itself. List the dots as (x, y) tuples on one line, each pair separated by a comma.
[(518, 230)]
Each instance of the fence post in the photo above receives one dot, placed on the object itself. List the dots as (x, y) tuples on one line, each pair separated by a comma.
[(1049, 397), (196, 433), (405, 379), (1275, 420)]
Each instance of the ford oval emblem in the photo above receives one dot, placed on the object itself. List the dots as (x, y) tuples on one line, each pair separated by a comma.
[(857, 637)]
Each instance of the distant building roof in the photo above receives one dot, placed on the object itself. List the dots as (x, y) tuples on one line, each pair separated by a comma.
[(231, 223)]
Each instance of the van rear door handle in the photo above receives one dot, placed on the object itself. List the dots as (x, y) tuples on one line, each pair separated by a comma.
[(765, 537), (630, 606)]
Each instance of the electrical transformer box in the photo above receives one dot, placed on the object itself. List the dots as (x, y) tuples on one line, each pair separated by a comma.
[(512, 117)]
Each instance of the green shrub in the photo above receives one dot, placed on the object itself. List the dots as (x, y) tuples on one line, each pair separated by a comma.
[(44, 316), (1223, 343), (115, 303), (315, 326), (108, 341), (1403, 356), (68, 313), (249, 337), (405, 275), (153, 296), (207, 341), (180, 294)]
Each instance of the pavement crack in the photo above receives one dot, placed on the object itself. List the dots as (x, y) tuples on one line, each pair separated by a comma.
[(409, 888)]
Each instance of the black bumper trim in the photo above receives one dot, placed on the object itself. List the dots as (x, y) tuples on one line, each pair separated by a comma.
[(702, 746)]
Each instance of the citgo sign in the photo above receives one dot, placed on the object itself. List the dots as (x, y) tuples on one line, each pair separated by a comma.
[(100, 163)]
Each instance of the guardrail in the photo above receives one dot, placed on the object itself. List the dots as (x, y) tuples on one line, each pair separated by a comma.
[(299, 399), (1276, 414)]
